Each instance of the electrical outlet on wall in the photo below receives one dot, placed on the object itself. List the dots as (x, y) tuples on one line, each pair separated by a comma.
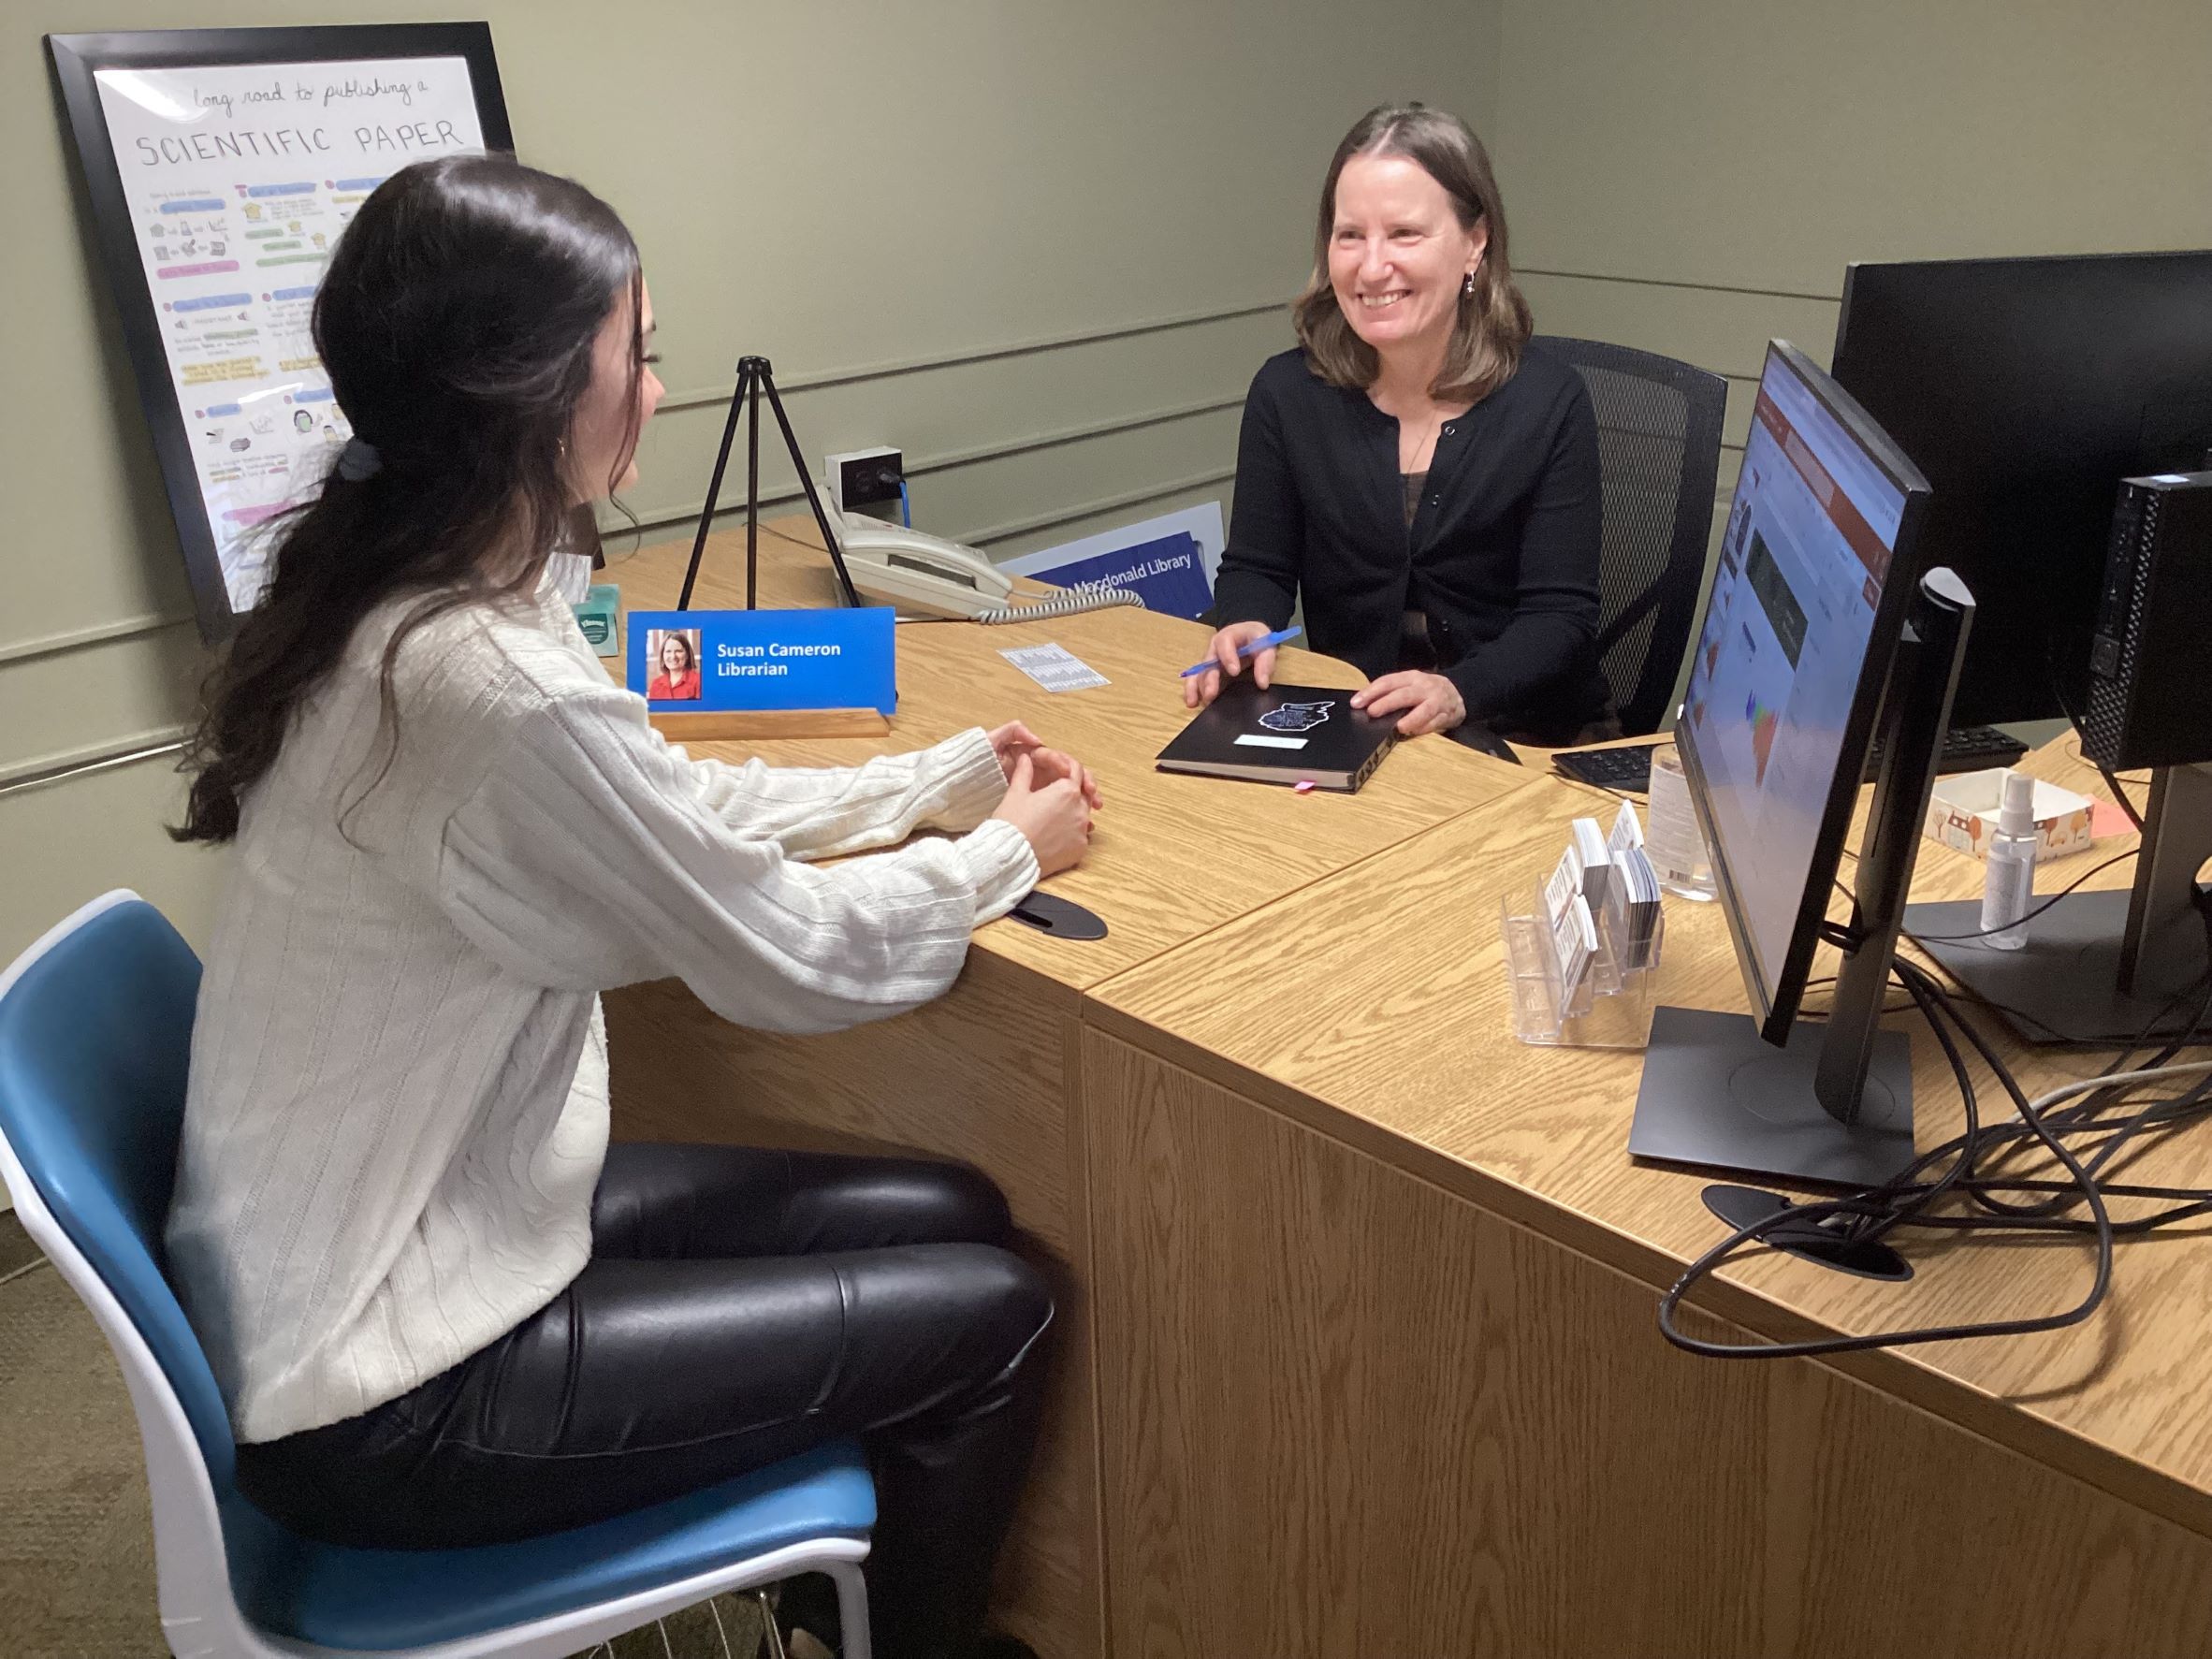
[(866, 478)]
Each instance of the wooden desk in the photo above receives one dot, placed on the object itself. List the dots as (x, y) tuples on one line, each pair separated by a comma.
[(989, 1073), (1378, 1365)]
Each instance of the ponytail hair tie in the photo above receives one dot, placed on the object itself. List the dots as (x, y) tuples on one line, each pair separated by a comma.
[(358, 459)]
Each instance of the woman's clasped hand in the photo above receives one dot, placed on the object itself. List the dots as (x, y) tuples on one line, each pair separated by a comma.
[(1050, 797)]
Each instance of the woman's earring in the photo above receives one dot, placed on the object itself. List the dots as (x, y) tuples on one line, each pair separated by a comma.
[(1468, 289)]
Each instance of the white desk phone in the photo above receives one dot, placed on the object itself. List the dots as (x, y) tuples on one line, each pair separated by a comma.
[(926, 575)]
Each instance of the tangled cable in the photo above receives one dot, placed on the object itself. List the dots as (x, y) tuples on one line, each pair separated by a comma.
[(1976, 1180)]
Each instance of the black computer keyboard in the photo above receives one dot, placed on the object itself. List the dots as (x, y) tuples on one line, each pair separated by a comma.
[(1966, 749), (1629, 768)]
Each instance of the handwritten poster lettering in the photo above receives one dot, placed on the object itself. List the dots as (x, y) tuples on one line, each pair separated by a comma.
[(238, 180)]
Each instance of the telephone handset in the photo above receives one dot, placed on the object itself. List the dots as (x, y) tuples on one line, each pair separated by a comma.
[(922, 575)]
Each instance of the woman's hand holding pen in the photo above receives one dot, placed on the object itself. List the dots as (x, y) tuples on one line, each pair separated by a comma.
[(1201, 688)]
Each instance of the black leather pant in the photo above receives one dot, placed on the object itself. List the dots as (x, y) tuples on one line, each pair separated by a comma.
[(740, 1306)]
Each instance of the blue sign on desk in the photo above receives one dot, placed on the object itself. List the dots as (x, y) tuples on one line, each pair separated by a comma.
[(1166, 574), (706, 661)]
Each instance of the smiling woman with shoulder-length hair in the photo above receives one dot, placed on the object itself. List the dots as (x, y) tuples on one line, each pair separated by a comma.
[(1489, 319), (1414, 472)]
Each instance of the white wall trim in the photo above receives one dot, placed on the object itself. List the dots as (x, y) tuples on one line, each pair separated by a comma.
[(660, 517), (77, 639), (719, 396), (1104, 429), (52, 645), (1601, 276), (1097, 509), (66, 764)]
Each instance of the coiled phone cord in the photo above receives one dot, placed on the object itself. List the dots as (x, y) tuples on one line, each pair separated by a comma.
[(1071, 604)]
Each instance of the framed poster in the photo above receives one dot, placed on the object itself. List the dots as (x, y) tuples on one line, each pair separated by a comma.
[(221, 165)]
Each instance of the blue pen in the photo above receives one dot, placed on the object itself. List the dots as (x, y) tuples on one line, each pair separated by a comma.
[(1263, 643)]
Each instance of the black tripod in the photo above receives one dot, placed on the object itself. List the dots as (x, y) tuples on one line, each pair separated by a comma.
[(754, 376)]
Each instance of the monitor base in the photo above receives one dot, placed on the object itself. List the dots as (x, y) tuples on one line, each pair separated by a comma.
[(2063, 987), (1717, 1096), (1743, 1206)]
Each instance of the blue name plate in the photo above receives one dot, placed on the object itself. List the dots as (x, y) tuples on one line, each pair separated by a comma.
[(703, 661)]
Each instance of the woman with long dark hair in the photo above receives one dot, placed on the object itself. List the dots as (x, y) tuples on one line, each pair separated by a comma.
[(443, 1309), (1415, 472)]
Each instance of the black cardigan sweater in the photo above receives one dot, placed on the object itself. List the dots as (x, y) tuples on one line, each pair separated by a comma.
[(1502, 555)]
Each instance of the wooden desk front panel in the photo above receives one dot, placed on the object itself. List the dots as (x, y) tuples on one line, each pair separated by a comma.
[(1343, 1412), (1538, 1136), (986, 1074), (981, 1075)]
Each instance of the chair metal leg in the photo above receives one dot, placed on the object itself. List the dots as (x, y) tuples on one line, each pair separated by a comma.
[(853, 1609), (771, 1638)]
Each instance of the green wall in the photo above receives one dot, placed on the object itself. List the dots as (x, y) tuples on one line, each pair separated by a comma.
[(1042, 248), (1692, 179), (1039, 247)]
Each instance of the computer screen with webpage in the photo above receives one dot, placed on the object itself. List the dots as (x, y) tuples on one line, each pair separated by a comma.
[(1803, 560)]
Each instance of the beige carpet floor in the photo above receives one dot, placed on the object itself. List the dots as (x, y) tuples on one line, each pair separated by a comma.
[(76, 1526)]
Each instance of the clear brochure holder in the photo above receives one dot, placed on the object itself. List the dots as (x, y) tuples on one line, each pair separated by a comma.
[(1609, 1002)]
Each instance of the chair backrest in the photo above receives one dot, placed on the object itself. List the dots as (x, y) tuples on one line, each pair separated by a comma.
[(96, 1029), (96, 1036), (1659, 451)]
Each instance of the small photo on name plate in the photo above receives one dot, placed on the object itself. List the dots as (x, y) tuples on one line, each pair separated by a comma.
[(673, 653)]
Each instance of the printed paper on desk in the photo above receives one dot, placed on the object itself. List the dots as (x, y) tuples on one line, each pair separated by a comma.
[(1054, 668)]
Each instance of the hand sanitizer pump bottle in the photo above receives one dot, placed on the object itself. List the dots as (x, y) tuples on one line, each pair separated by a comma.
[(2009, 886)]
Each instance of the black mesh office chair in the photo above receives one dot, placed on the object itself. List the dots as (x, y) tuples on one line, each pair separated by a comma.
[(1659, 452)]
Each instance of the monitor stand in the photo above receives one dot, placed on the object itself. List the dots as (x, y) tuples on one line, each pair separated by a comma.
[(2100, 970), (1833, 1105), (1716, 1096)]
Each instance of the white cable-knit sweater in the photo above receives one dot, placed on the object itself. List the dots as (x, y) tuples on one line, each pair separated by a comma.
[(398, 1087)]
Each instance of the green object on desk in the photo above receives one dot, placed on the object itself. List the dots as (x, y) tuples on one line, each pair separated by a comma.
[(598, 614)]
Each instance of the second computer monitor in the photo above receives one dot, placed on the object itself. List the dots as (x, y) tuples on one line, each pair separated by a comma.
[(2025, 390)]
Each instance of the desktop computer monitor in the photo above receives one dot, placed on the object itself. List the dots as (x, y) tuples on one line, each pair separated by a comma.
[(2025, 390), (1818, 630)]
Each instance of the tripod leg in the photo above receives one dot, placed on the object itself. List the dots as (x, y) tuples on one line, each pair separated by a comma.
[(807, 483), (714, 485), (752, 501)]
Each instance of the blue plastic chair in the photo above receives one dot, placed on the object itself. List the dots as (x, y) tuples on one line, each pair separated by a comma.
[(96, 1025)]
